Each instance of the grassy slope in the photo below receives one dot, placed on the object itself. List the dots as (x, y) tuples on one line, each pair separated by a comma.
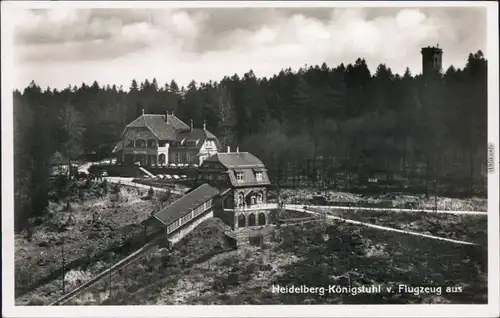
[(247, 274), (312, 255), (144, 279), (398, 200), (118, 223), (368, 256), (470, 228)]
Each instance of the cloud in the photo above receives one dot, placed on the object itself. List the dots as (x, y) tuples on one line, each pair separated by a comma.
[(61, 34), (203, 44)]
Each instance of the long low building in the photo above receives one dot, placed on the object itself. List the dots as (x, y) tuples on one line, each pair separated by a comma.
[(231, 186), (183, 211)]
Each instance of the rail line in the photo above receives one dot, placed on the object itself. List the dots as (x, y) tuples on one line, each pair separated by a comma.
[(317, 210), (114, 268), (385, 228)]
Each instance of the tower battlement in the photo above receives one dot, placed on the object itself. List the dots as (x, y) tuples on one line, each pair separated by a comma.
[(432, 59)]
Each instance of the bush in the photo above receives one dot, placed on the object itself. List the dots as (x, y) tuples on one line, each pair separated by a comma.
[(38, 301)]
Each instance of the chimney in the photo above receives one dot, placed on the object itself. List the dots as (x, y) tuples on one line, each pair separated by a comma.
[(166, 115), (143, 111), (228, 149), (237, 148), (173, 113), (191, 124), (204, 125)]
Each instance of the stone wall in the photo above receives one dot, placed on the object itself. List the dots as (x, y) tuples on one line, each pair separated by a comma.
[(226, 216), (253, 218)]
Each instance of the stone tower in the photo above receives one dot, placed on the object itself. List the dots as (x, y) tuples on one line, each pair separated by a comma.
[(432, 58)]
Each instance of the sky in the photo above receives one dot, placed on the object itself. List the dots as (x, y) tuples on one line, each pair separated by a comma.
[(61, 47)]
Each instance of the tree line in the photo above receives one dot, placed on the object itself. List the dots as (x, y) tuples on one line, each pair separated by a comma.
[(319, 123)]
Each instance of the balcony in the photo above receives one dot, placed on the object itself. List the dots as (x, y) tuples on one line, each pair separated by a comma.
[(140, 151), (253, 207)]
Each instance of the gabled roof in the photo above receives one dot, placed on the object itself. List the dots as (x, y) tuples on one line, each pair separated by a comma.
[(184, 205), (118, 147), (175, 122), (162, 126), (241, 162), (195, 134), (249, 178), (233, 160)]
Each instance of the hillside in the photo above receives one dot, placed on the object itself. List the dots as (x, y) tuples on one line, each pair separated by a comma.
[(310, 255)]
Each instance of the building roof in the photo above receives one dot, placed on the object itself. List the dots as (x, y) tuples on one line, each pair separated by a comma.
[(249, 178), (184, 205), (162, 126), (175, 122), (118, 147), (195, 134), (241, 162), (236, 160), (169, 127)]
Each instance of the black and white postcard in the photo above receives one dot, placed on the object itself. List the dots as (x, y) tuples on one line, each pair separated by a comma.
[(250, 159)]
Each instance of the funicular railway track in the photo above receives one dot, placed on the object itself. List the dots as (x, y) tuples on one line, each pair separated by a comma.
[(174, 222), (135, 256), (318, 215)]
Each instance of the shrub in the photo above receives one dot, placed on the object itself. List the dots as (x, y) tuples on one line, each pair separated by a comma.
[(38, 301)]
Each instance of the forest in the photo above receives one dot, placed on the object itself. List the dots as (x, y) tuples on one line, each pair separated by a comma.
[(342, 123)]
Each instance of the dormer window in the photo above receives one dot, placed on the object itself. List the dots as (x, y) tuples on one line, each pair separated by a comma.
[(258, 175), (239, 176)]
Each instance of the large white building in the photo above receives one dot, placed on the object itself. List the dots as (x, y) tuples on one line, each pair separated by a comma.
[(154, 139)]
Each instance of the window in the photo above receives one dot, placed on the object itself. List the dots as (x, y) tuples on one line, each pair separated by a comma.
[(239, 176), (161, 158), (151, 143), (258, 175), (162, 144), (177, 157), (140, 143), (186, 218)]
